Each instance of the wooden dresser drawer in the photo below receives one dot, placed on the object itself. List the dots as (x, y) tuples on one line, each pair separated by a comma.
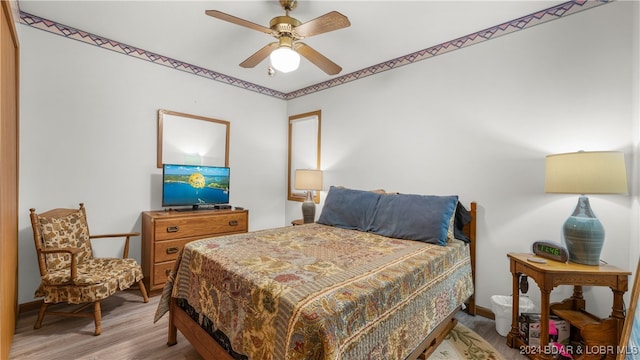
[(199, 226), (165, 233), (161, 272), (168, 250)]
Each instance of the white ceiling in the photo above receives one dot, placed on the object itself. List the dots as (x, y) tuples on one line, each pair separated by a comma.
[(379, 31)]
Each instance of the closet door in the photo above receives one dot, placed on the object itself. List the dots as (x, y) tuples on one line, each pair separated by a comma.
[(8, 179)]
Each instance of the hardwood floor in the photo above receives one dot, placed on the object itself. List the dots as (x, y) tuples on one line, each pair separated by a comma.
[(487, 329), (128, 332)]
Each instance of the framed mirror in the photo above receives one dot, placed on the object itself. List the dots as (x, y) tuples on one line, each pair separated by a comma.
[(630, 339), (304, 150), (192, 139)]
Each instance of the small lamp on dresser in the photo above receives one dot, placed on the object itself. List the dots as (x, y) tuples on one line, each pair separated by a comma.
[(308, 180), (595, 172)]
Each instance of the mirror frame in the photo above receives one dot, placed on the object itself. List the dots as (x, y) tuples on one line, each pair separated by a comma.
[(217, 125), (291, 193)]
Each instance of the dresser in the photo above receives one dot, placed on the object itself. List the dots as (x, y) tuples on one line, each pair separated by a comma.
[(164, 233)]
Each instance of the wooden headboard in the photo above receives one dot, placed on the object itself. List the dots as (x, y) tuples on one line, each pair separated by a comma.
[(470, 230)]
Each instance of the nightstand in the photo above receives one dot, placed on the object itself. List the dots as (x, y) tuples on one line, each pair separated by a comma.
[(297, 222), (601, 334)]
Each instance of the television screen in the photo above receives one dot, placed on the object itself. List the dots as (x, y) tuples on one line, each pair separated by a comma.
[(194, 185)]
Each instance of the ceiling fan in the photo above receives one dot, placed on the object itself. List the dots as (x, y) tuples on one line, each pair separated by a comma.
[(285, 53)]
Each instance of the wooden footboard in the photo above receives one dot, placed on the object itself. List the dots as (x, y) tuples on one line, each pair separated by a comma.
[(434, 339), (208, 348), (204, 344)]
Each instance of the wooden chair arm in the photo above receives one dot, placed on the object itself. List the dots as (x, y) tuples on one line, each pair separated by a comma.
[(124, 235), (114, 235), (70, 250)]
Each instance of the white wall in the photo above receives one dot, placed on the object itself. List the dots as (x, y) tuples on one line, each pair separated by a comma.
[(89, 130), (479, 122), (475, 122), (634, 243)]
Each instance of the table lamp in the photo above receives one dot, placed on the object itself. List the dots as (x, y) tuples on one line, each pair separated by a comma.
[(596, 172), (308, 180)]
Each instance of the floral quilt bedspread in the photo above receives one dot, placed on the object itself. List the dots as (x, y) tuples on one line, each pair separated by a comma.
[(321, 292)]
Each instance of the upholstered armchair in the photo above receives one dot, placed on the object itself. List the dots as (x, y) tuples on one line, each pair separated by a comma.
[(70, 273)]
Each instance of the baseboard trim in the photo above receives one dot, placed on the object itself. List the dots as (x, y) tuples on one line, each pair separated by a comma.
[(30, 306), (484, 312), (35, 305)]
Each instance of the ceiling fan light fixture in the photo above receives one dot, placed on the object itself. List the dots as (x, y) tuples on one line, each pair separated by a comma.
[(285, 59), (285, 53)]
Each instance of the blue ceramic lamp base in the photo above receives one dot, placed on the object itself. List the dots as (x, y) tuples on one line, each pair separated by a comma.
[(583, 234), (308, 209)]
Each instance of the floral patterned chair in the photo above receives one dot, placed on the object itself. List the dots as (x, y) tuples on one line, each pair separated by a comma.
[(68, 271)]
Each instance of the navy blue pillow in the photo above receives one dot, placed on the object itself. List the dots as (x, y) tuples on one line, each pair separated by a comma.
[(349, 209), (414, 217), (462, 218)]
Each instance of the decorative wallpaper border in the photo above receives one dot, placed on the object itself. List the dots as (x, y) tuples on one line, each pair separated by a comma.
[(552, 13), (99, 41)]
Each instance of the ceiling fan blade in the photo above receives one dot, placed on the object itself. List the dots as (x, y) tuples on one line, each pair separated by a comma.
[(259, 55), (325, 23), (236, 20), (317, 59)]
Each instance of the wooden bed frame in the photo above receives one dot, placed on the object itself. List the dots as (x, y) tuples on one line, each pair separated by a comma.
[(208, 348)]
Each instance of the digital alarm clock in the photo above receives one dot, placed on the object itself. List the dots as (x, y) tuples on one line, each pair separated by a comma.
[(550, 250)]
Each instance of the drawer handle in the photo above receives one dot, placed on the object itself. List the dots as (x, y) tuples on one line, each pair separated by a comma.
[(172, 250), (172, 229), (233, 222), (167, 272)]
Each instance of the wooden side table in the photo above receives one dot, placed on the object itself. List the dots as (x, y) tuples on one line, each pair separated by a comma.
[(547, 276)]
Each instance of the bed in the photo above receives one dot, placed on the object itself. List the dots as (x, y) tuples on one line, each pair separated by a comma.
[(354, 285)]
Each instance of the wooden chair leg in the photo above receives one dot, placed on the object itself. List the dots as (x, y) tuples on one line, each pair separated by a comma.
[(97, 316), (43, 310), (143, 291)]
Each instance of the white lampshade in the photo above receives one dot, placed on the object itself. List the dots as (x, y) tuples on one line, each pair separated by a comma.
[(285, 59), (596, 172), (308, 179)]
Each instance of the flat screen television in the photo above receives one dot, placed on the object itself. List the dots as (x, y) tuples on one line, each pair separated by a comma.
[(194, 185)]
